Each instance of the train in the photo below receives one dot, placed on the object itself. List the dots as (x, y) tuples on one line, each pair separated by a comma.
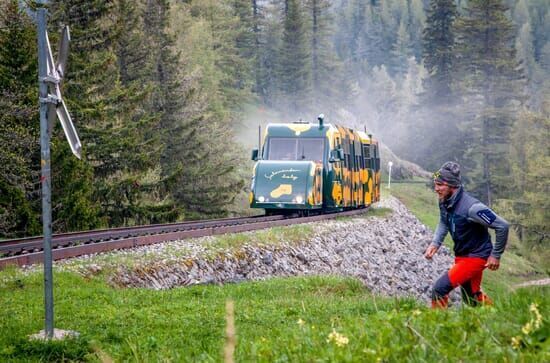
[(305, 168)]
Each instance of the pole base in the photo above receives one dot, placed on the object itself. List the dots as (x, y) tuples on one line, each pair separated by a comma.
[(58, 334)]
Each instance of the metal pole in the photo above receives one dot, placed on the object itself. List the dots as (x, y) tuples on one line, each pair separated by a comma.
[(259, 142), (389, 174), (45, 173)]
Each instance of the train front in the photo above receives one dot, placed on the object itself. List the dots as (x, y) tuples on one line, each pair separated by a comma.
[(289, 173)]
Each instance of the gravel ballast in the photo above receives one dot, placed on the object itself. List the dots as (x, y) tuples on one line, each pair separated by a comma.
[(385, 253)]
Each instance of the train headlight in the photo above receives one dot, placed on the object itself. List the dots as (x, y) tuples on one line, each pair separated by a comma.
[(299, 199), (261, 199)]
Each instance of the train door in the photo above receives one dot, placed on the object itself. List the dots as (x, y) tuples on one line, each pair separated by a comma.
[(336, 187), (346, 169), (357, 187), (347, 182), (353, 173), (359, 163), (369, 171), (362, 175), (377, 171)]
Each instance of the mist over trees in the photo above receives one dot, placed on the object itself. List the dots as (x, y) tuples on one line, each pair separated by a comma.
[(156, 88)]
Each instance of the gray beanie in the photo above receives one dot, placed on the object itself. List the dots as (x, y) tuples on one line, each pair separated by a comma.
[(449, 173)]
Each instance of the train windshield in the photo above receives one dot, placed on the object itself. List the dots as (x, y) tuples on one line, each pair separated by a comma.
[(310, 149)]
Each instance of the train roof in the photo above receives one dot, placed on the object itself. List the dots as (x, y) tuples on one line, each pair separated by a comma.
[(308, 129)]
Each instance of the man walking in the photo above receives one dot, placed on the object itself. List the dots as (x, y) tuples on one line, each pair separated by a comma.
[(468, 220)]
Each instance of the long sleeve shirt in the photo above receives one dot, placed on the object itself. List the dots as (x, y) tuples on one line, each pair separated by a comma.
[(468, 220)]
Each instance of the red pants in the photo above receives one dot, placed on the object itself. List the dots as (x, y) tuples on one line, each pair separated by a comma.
[(467, 273)]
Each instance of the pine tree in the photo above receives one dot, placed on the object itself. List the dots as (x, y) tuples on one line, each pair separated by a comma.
[(417, 23), (200, 159), (439, 48), (530, 205), (246, 43), (108, 106), (401, 50), (493, 83), (270, 39), (295, 65), (19, 124), (325, 68)]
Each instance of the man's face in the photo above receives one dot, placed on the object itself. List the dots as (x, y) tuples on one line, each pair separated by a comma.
[(443, 191)]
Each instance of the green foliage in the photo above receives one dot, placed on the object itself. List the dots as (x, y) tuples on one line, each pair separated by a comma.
[(439, 46), (528, 208), (327, 86), (17, 218), (493, 87), (202, 160), (72, 209), (401, 49), (294, 70), (19, 124)]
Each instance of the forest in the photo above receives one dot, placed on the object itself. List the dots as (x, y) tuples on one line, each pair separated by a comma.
[(163, 93)]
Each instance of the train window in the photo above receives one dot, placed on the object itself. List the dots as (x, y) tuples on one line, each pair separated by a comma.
[(366, 150), (310, 149)]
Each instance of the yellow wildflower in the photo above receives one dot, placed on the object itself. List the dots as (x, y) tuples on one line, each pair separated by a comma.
[(301, 322), (339, 339), (516, 342), (538, 317), (527, 328)]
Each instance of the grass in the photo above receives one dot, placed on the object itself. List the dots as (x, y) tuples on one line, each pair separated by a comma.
[(273, 236), (277, 320), (325, 319)]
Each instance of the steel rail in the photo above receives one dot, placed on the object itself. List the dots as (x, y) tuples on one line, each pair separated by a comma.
[(31, 244), (27, 251)]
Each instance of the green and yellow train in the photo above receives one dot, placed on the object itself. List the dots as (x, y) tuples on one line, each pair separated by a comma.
[(304, 167)]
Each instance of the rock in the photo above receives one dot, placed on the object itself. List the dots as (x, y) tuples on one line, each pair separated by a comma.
[(386, 254)]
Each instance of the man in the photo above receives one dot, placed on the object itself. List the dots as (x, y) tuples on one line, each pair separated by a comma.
[(468, 220)]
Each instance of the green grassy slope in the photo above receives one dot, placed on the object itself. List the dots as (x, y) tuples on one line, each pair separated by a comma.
[(285, 319)]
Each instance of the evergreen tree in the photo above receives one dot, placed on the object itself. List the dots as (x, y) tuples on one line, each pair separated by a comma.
[(201, 157), (19, 124), (295, 65), (529, 206), (246, 43), (325, 67), (107, 106), (401, 50), (439, 47), (417, 23), (270, 39), (493, 81)]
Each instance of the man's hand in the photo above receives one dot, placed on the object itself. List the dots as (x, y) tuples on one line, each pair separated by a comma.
[(430, 251), (493, 263)]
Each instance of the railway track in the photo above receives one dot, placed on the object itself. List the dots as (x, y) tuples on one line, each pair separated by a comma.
[(28, 251)]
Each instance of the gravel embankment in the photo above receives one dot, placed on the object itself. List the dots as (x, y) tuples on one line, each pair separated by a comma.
[(383, 252)]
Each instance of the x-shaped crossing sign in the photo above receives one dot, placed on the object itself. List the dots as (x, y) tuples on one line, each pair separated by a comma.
[(56, 105)]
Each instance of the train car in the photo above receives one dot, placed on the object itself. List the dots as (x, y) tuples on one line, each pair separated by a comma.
[(304, 167)]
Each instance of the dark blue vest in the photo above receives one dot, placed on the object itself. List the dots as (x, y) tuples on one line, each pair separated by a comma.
[(470, 239)]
